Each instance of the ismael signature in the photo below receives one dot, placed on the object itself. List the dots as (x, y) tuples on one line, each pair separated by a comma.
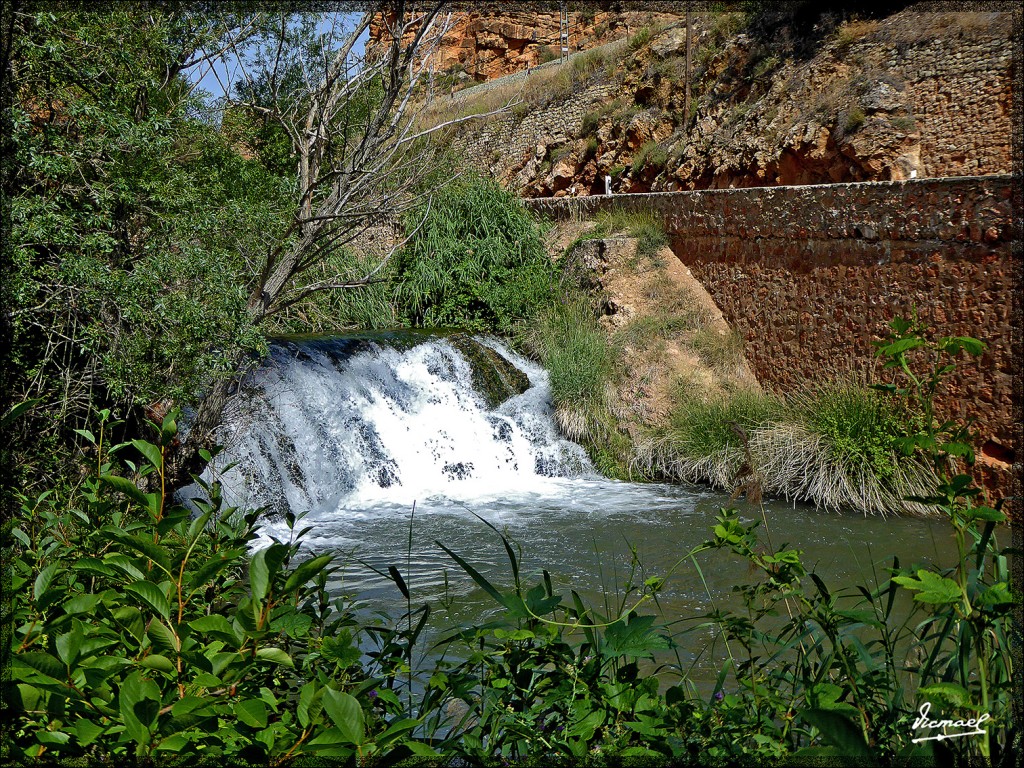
[(923, 721)]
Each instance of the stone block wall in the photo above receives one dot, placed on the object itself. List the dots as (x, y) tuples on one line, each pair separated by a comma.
[(810, 275)]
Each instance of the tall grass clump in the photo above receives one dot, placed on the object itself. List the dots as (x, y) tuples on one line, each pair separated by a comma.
[(475, 260), (650, 155), (575, 350), (705, 437), (841, 445), (648, 229)]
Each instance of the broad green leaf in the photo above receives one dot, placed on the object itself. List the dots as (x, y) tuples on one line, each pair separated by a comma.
[(346, 714), (150, 451), (306, 571), (931, 588), (217, 625), (151, 595), (162, 637), (295, 625), (310, 704), (263, 567), (988, 514), (157, 662), (997, 594), (275, 655), (901, 346), (16, 411), (69, 645), (43, 580), (252, 712), (139, 704), (42, 662), (148, 548), (948, 693), (86, 732), (81, 604), (127, 487), (634, 638)]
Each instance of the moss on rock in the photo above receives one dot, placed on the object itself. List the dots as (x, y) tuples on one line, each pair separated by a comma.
[(494, 377)]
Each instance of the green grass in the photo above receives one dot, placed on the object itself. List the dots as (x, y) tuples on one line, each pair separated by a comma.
[(719, 350), (650, 155), (575, 350), (836, 445), (646, 228)]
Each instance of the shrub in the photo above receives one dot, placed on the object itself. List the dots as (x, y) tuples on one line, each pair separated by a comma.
[(589, 125), (855, 118), (475, 260), (546, 53), (142, 632), (639, 39), (650, 155)]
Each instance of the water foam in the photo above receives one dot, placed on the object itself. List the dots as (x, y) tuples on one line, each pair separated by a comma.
[(322, 428)]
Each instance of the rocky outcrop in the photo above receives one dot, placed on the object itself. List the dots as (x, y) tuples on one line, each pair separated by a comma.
[(491, 42), (911, 95)]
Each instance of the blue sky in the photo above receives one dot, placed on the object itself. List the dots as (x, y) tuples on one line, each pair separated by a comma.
[(225, 71)]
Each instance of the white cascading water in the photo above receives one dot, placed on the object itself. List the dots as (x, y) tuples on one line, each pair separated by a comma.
[(325, 429)]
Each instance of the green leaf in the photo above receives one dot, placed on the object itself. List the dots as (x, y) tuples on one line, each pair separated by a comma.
[(150, 451), (310, 704), (997, 594), (931, 588), (275, 655), (152, 596), (252, 712), (947, 693), (901, 346), (293, 624), (984, 513), (86, 732), (127, 487), (43, 580), (840, 732), (216, 625), (139, 704), (634, 638), (148, 548), (42, 662), (81, 604), (69, 645), (157, 662), (162, 637), (346, 714), (263, 567), (16, 411)]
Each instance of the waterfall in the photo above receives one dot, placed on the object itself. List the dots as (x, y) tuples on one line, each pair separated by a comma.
[(336, 424)]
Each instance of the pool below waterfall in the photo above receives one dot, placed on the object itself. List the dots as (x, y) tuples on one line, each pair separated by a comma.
[(389, 446)]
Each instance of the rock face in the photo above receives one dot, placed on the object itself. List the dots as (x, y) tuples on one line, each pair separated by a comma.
[(910, 95), (484, 44)]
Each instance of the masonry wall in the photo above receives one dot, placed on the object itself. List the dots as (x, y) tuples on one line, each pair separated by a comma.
[(810, 275)]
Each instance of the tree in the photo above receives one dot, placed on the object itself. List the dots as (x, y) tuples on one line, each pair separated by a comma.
[(360, 158), (155, 244)]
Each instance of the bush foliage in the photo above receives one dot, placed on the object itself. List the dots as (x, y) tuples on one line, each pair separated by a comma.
[(144, 631), (475, 260)]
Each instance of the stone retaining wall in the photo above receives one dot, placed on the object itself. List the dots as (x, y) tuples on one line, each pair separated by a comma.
[(810, 275)]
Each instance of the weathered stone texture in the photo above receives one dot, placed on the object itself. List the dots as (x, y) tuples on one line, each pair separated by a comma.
[(811, 275), (917, 95)]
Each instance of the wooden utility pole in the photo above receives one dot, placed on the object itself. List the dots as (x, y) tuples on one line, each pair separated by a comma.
[(689, 60)]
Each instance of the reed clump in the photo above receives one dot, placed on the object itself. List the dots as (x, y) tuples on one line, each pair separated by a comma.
[(837, 445)]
